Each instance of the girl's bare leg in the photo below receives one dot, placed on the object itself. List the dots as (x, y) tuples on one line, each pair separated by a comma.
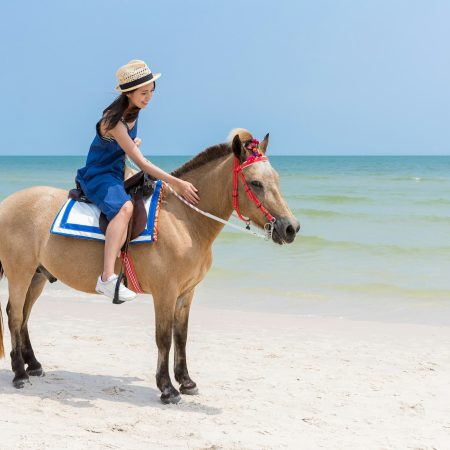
[(115, 237), (123, 240)]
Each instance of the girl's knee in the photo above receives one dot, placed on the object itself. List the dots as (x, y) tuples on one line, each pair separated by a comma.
[(127, 209)]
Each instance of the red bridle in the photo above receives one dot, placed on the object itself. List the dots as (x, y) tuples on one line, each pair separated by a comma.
[(254, 158)]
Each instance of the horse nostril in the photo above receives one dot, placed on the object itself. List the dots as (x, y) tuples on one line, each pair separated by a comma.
[(298, 228), (290, 231)]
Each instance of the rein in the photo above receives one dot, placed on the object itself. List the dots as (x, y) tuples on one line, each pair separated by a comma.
[(237, 169), (268, 232)]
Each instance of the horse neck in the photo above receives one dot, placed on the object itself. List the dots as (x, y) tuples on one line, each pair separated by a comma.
[(214, 182)]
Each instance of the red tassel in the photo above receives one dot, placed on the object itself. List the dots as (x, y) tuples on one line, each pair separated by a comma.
[(131, 273)]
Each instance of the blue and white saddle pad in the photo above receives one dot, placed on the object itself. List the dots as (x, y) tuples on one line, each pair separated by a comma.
[(81, 220)]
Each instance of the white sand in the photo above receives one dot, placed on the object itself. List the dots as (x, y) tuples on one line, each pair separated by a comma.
[(265, 380)]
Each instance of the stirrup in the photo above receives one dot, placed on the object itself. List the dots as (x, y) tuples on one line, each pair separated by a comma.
[(116, 300)]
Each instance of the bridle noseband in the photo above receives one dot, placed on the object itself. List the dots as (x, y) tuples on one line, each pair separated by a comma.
[(255, 157)]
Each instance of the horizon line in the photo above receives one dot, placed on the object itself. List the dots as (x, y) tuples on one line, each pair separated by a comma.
[(193, 154)]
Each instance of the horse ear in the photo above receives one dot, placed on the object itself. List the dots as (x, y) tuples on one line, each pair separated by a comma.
[(264, 144), (238, 150)]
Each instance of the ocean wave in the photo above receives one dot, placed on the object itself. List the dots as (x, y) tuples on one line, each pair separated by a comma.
[(327, 213), (318, 213), (418, 179), (319, 243), (433, 219), (386, 290), (433, 201), (332, 199)]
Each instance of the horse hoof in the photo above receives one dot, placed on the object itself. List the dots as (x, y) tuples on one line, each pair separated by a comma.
[(39, 372), (189, 390), (20, 383), (173, 397)]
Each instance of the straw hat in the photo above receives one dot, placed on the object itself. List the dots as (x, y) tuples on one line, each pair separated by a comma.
[(134, 74)]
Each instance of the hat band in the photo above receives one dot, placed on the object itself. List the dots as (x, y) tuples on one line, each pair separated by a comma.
[(136, 82)]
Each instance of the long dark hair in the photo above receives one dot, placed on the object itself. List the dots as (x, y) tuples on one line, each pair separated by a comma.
[(118, 109)]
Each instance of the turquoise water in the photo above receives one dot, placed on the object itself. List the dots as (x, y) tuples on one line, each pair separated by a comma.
[(372, 227)]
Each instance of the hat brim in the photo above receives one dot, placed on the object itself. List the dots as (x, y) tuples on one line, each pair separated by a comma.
[(155, 77)]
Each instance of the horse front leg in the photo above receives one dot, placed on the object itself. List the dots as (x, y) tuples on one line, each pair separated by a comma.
[(180, 330), (164, 314)]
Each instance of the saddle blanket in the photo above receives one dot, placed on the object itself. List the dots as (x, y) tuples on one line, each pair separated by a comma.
[(81, 220)]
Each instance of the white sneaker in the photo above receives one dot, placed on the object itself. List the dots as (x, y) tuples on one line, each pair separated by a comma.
[(108, 288)]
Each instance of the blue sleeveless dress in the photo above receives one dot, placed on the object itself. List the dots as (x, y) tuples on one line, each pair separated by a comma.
[(102, 177)]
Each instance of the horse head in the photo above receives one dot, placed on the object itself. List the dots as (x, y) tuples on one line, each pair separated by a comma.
[(257, 193)]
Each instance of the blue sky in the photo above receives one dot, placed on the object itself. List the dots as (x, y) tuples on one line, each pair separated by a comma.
[(324, 77)]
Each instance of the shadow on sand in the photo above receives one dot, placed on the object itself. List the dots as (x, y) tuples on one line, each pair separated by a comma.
[(82, 389)]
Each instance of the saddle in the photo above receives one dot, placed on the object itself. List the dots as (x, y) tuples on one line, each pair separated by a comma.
[(139, 187)]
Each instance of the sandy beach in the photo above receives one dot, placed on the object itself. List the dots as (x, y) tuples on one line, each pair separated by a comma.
[(338, 340), (266, 381)]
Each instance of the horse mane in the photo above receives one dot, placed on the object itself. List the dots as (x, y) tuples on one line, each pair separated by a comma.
[(212, 153)]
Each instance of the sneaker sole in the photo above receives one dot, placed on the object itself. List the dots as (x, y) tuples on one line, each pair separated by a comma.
[(112, 298)]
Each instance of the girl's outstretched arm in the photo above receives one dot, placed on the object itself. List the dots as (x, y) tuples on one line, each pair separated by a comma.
[(184, 188)]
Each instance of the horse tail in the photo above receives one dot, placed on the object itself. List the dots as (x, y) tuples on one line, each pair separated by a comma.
[(2, 349)]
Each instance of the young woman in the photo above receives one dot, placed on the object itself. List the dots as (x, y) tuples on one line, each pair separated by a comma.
[(102, 179)]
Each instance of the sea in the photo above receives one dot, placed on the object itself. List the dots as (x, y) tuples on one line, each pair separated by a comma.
[(374, 239)]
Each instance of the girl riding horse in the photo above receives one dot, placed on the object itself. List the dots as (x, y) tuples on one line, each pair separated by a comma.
[(102, 177)]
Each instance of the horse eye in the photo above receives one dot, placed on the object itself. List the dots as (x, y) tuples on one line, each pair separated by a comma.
[(256, 184)]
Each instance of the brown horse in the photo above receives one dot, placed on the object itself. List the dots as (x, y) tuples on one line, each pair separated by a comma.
[(169, 269)]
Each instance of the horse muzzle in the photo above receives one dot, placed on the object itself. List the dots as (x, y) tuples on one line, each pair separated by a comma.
[(285, 229)]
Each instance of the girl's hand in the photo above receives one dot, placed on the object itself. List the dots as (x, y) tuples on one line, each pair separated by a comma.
[(137, 141), (187, 190)]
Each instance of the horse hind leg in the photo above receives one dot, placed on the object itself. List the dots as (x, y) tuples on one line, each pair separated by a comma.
[(2, 348), (19, 283), (180, 330), (34, 291)]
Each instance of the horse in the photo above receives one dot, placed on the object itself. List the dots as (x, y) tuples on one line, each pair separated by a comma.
[(168, 269)]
